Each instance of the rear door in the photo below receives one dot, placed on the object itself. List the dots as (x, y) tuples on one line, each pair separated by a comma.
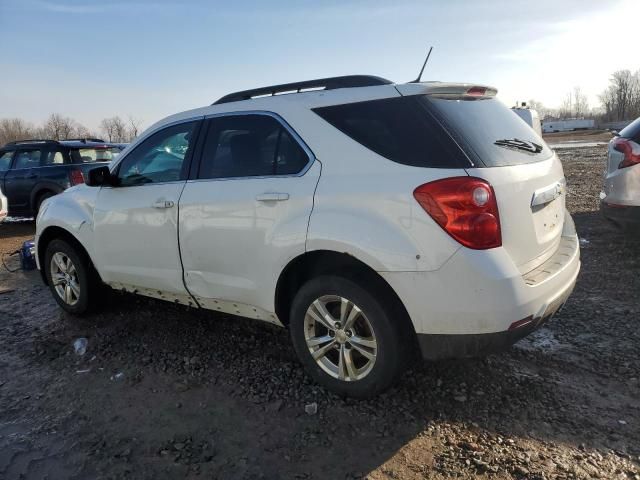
[(245, 214), (20, 180), (525, 173), (136, 222)]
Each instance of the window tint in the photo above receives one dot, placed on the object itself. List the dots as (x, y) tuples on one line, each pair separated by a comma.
[(399, 129), (54, 157), (479, 123), (159, 158), (5, 160), (27, 159), (249, 146)]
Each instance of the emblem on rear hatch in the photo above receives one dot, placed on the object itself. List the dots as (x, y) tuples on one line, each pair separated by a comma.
[(549, 193)]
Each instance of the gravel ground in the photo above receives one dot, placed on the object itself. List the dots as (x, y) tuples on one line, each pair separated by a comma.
[(169, 392)]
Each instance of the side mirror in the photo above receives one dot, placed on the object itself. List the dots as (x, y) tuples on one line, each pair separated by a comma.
[(100, 176)]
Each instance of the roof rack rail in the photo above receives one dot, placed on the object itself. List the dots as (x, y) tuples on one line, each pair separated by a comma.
[(33, 140), (349, 81), (85, 140)]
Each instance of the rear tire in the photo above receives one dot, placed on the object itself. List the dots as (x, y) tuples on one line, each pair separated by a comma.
[(71, 277), (41, 198), (360, 355)]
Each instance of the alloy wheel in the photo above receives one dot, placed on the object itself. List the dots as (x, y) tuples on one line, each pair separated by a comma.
[(64, 277), (340, 338)]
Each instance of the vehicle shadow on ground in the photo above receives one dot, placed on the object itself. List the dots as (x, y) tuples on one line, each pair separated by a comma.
[(161, 375)]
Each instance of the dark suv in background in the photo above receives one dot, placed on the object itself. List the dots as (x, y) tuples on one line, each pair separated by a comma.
[(34, 170)]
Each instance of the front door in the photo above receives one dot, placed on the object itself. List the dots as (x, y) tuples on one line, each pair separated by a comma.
[(245, 216), (136, 221)]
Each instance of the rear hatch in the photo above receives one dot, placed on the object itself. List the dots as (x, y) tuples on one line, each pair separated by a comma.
[(525, 173)]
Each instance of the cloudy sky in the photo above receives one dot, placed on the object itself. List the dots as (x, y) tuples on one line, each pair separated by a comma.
[(150, 58)]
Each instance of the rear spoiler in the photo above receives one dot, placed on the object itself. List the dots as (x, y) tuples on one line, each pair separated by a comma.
[(447, 90)]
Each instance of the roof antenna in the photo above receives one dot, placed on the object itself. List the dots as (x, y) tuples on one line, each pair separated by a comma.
[(417, 80)]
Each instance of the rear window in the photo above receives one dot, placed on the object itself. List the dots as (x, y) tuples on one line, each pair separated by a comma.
[(632, 131), (400, 129), (427, 131), (489, 131), (87, 155)]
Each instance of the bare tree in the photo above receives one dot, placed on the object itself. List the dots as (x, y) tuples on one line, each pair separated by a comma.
[(134, 128), (580, 103), (115, 129), (621, 99), (542, 110), (58, 127), (566, 107), (12, 129)]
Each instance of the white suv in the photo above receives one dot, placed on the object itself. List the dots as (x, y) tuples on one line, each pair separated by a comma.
[(375, 220)]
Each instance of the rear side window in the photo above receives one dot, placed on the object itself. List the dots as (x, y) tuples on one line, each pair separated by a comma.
[(632, 131), (488, 131), (250, 146), (5, 161), (54, 157), (87, 155), (400, 129)]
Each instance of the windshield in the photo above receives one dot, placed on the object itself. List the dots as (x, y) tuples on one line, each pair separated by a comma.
[(87, 155), (489, 131)]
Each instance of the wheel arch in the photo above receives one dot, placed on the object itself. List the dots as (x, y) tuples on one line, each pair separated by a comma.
[(327, 262), (54, 232)]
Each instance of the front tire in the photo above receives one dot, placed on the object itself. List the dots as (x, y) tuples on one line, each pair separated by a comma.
[(345, 337), (70, 277)]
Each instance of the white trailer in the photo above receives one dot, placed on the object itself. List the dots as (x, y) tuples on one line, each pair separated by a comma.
[(567, 125)]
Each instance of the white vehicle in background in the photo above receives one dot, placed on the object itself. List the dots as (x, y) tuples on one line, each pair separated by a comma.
[(4, 206), (375, 220), (620, 200), (530, 117)]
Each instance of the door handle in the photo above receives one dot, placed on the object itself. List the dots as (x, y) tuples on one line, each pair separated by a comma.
[(272, 197), (163, 204)]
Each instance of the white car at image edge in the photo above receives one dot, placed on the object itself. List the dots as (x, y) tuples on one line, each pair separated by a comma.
[(4, 206), (377, 221)]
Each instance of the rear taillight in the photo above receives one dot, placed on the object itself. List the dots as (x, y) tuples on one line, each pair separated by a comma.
[(630, 149), (465, 207), (76, 177)]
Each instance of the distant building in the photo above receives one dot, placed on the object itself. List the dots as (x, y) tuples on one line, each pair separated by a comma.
[(569, 125)]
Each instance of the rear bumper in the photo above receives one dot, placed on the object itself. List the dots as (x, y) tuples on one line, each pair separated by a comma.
[(479, 302), (438, 347), (625, 216)]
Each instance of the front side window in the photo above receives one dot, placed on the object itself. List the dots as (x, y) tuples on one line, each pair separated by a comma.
[(160, 158), (250, 146), (5, 161), (27, 159)]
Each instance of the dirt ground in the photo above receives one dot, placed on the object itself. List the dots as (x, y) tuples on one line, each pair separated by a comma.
[(169, 392), (578, 136)]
